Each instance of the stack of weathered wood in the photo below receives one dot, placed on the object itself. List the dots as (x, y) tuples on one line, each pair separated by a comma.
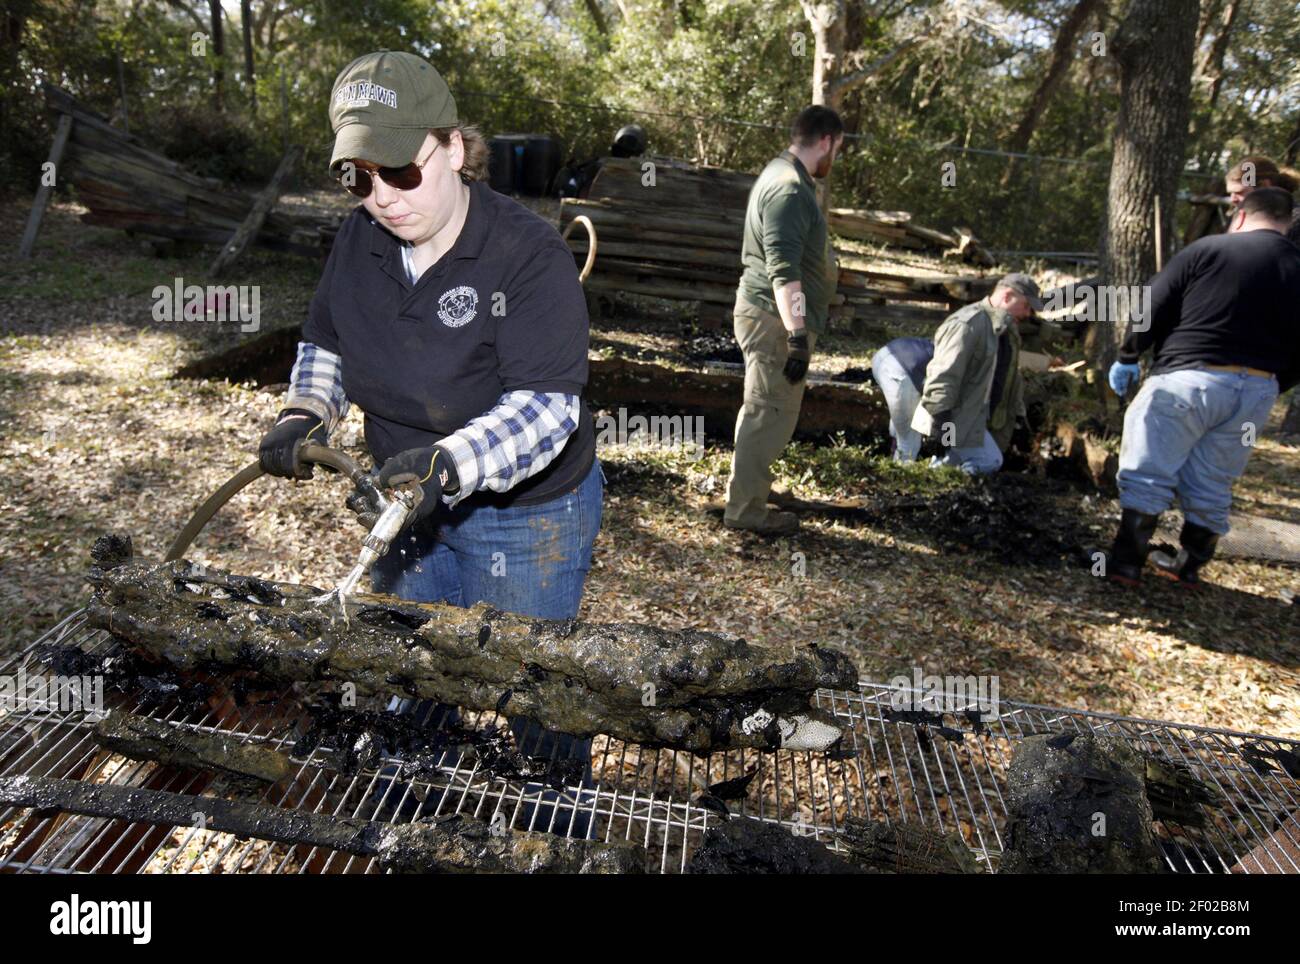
[(126, 185), (667, 230), (674, 231), (895, 228)]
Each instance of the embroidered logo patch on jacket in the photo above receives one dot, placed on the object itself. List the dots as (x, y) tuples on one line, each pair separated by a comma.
[(458, 306)]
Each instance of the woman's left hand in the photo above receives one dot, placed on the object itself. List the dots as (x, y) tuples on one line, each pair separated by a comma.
[(430, 467)]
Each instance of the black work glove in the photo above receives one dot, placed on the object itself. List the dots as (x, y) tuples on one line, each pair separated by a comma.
[(431, 467), (363, 500), (796, 365), (934, 444), (276, 453), (1022, 438), (939, 424)]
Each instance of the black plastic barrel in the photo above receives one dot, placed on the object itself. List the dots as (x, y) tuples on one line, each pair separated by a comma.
[(523, 163), (541, 162), (506, 162)]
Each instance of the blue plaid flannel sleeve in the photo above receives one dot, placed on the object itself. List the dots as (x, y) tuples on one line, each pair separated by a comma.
[(515, 439), (316, 385)]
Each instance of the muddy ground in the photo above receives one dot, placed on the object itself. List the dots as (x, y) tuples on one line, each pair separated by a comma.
[(954, 578)]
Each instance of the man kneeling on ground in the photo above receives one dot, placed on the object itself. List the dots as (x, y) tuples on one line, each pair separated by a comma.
[(972, 368)]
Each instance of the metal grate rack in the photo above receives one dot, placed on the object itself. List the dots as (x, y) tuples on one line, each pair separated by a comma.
[(949, 778)]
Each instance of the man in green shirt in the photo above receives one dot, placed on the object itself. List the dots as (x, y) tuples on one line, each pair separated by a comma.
[(781, 304)]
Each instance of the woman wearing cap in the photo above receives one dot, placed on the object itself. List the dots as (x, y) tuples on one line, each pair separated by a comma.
[(453, 316)]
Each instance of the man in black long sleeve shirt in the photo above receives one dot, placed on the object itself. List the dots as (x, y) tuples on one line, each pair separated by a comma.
[(1224, 325), (1228, 299)]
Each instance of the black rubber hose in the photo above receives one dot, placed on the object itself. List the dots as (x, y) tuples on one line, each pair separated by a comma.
[(310, 452)]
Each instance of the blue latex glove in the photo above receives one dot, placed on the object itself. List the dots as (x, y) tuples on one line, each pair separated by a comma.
[(1123, 378)]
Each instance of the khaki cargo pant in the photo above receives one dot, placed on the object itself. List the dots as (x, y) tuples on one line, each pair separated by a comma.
[(768, 416)]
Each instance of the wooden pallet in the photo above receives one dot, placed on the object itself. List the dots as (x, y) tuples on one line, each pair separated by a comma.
[(668, 230)]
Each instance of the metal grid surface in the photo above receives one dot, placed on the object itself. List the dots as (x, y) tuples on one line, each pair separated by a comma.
[(895, 771)]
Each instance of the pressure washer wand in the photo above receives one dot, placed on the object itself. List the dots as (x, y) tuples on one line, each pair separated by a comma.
[(394, 513), (388, 525)]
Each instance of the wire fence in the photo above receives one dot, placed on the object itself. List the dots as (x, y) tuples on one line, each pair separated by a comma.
[(1051, 203), (1018, 201)]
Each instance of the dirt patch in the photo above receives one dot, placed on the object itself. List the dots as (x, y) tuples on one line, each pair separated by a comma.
[(712, 346), (1019, 520)]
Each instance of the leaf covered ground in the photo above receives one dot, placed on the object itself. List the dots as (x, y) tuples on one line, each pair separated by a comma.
[(95, 435)]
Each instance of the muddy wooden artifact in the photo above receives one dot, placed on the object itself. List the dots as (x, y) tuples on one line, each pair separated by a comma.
[(743, 845), (144, 738), (454, 844), (1076, 803), (686, 690), (907, 848)]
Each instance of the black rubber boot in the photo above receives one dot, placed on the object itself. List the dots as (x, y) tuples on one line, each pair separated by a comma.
[(1129, 552), (1197, 549)]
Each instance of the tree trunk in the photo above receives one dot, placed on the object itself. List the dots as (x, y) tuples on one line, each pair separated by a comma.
[(1062, 55), (598, 18), (1153, 47), (667, 18), (218, 53), (246, 22), (1291, 419), (13, 29), (827, 22)]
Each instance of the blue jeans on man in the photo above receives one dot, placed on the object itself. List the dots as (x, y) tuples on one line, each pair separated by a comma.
[(1188, 434), (531, 560), (902, 396), (982, 459)]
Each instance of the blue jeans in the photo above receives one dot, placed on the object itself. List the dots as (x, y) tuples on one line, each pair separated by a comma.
[(902, 398), (983, 459), (530, 560), (1189, 433)]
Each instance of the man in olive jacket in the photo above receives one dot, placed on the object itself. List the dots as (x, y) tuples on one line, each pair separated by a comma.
[(964, 382), (781, 304)]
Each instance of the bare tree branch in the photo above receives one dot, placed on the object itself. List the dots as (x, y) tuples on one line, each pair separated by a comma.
[(1058, 64), (597, 16), (199, 21), (848, 82)]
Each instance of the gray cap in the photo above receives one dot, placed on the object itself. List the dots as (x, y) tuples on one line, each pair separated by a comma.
[(1027, 286), (383, 106)]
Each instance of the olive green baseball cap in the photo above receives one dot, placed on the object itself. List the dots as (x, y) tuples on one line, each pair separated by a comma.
[(383, 105)]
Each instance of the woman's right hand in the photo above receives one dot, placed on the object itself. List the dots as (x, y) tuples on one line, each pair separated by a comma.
[(277, 451)]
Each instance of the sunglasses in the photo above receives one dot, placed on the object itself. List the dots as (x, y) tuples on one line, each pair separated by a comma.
[(405, 178)]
